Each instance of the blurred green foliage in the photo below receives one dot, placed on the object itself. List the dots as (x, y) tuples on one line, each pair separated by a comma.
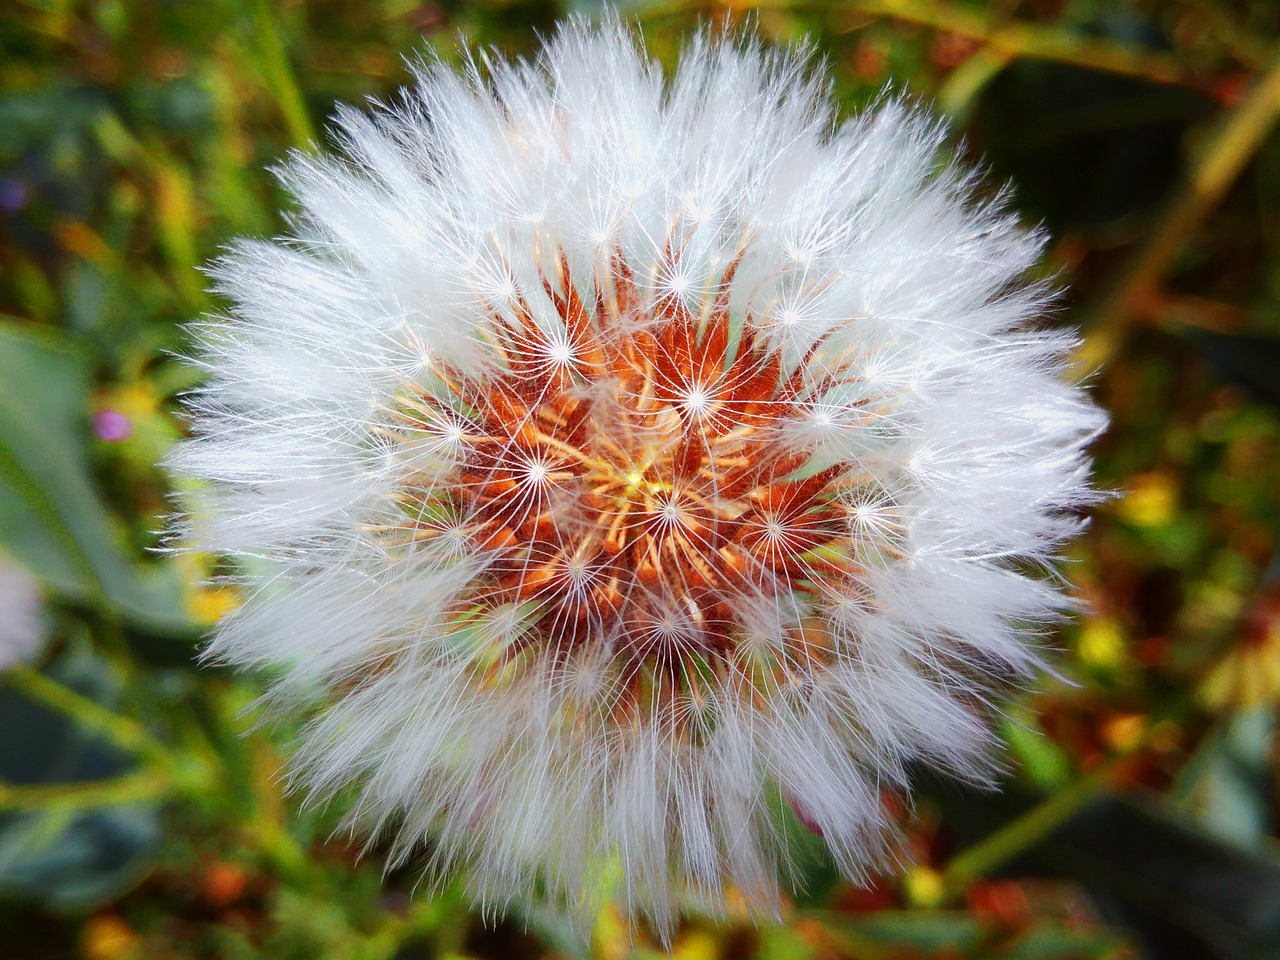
[(141, 814)]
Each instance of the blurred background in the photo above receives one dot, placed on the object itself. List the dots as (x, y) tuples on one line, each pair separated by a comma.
[(141, 813)]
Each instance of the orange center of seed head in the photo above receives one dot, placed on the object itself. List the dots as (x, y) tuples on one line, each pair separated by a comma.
[(626, 481)]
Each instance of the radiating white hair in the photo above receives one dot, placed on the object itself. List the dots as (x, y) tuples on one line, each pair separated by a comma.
[(613, 457)]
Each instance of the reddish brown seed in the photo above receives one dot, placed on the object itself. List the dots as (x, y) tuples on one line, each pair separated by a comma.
[(658, 508)]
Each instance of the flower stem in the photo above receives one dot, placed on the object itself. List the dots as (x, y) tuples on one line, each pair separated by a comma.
[(1224, 156), (121, 731), (1012, 40), (1002, 40), (276, 69), (143, 785), (1025, 831)]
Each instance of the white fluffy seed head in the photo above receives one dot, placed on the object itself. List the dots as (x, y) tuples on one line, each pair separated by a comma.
[(613, 454)]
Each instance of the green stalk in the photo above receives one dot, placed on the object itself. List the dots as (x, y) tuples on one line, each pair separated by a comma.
[(1226, 153), (121, 731), (278, 71), (138, 787)]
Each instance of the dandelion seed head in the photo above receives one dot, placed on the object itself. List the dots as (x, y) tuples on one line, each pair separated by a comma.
[(618, 451)]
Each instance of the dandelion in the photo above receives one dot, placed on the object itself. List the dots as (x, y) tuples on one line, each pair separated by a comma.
[(616, 460)]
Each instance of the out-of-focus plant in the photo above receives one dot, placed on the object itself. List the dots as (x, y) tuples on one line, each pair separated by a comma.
[(1139, 819)]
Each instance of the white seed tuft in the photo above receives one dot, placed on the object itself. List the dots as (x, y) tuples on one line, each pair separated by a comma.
[(612, 453)]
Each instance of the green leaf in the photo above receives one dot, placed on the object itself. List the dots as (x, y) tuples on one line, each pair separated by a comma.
[(925, 930), (1184, 892), (1225, 788), (51, 517), (954, 933), (69, 855), (1040, 758), (813, 872), (1055, 941), (785, 943), (77, 862)]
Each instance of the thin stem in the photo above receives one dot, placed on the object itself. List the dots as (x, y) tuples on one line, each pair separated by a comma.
[(174, 204), (1022, 833), (963, 85), (1224, 156), (137, 787), (1003, 40), (1013, 40), (279, 73), (37, 498), (121, 731)]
